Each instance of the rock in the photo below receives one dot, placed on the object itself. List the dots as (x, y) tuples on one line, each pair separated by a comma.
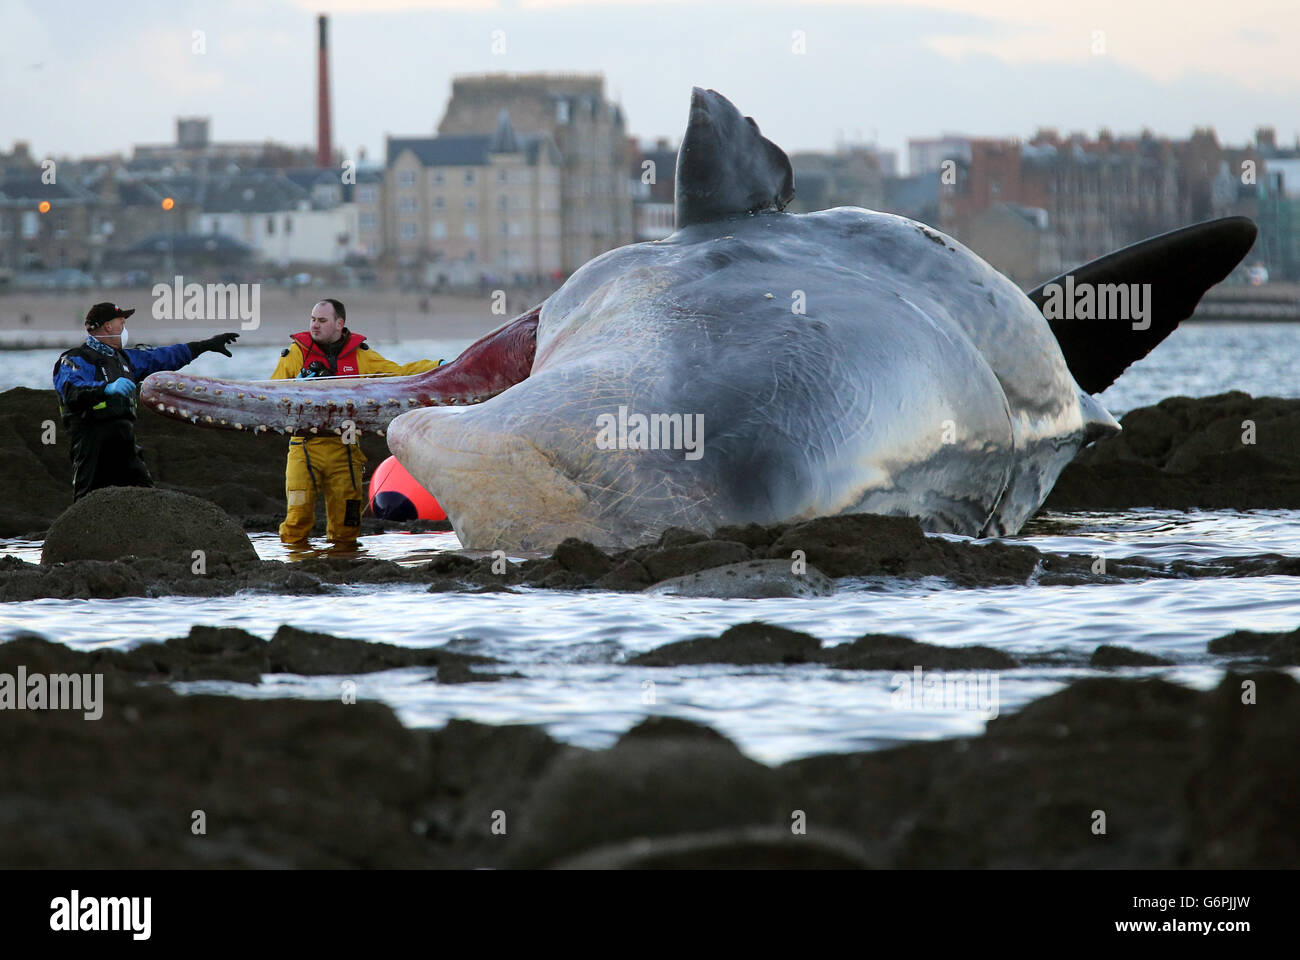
[(1243, 797), (876, 651), (116, 522), (851, 545), (1185, 453), (677, 561), (1110, 655), (748, 848), (659, 726), (1281, 649), (301, 651), (745, 643), (644, 788), (751, 579)]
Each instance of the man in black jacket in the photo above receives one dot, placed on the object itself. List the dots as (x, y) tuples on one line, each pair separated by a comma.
[(97, 386)]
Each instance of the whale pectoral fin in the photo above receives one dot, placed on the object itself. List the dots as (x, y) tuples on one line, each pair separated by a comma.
[(1172, 272)]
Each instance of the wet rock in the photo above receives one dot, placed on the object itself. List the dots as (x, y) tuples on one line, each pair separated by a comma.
[(745, 644), (628, 575), (1111, 655), (877, 651), (117, 522), (677, 561), (852, 545), (771, 848), (751, 579), (301, 651), (1243, 797), (756, 536), (1280, 649), (658, 726), (582, 558), (644, 788), (1185, 453)]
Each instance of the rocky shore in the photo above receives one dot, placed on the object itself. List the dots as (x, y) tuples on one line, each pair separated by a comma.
[(1108, 772)]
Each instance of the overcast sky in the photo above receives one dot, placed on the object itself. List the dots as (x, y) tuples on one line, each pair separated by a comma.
[(83, 77)]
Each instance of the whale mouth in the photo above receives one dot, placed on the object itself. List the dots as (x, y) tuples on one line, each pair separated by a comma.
[(491, 365)]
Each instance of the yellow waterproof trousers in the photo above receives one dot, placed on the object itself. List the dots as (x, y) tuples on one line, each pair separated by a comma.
[(328, 466)]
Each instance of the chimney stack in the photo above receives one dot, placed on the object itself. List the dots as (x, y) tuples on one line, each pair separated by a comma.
[(323, 151)]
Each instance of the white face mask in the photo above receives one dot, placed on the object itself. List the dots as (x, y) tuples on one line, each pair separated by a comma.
[(126, 338)]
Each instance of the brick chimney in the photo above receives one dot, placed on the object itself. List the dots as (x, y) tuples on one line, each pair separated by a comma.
[(323, 151)]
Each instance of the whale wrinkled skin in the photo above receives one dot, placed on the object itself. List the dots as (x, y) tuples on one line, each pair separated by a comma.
[(787, 366)]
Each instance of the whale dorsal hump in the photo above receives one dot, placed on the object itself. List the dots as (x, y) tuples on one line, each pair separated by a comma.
[(726, 167), (1170, 273)]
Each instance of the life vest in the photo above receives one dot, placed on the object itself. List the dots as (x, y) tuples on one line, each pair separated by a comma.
[(342, 364)]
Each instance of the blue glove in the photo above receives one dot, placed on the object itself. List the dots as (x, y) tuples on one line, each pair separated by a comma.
[(121, 387)]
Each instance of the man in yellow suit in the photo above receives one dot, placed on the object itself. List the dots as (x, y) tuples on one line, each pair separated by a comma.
[(327, 465)]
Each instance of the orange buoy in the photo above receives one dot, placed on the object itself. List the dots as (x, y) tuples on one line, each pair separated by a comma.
[(395, 495)]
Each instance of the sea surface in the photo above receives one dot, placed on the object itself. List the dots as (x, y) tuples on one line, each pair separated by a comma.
[(569, 647)]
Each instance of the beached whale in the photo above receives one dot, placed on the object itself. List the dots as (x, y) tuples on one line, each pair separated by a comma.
[(760, 366)]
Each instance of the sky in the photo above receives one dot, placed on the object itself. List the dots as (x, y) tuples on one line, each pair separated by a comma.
[(84, 78)]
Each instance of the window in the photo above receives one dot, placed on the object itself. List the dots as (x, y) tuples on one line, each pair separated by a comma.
[(409, 231), (471, 230), (438, 203), (406, 178), (470, 204), (439, 229), (514, 228), (406, 205), (288, 226), (270, 226), (367, 221), (503, 202), (501, 176), (366, 194), (561, 111), (438, 176), (469, 177), (503, 228)]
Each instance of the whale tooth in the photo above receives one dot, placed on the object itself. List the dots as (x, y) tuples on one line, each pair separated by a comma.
[(239, 426), (240, 396), (162, 406), (217, 392), (412, 402), (261, 396), (171, 409), (380, 432), (170, 384), (394, 403), (223, 423), (767, 296), (207, 419), (313, 430), (199, 389)]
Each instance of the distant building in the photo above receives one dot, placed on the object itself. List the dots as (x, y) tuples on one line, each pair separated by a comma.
[(194, 147), (589, 131), (475, 207), (847, 178), (1098, 194), (926, 154), (652, 184)]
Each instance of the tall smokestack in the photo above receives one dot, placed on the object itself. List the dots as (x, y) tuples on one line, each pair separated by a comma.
[(323, 158)]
